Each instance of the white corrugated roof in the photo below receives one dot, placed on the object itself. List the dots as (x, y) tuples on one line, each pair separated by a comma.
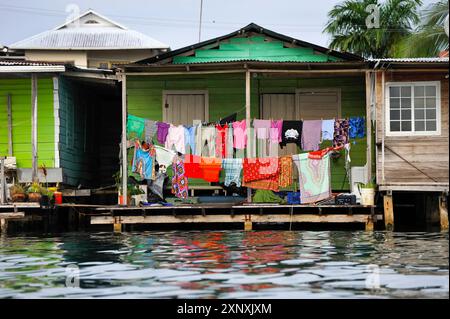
[(21, 66), (90, 31), (414, 60)]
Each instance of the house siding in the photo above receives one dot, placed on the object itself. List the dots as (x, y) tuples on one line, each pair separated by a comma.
[(428, 153), (20, 90)]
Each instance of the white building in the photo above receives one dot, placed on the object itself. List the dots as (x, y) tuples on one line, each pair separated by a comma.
[(90, 40)]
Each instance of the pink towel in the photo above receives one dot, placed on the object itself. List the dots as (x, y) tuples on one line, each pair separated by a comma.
[(311, 135)]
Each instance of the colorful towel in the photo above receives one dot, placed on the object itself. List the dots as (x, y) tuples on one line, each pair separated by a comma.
[(143, 163), (314, 175), (179, 180), (261, 173), (211, 168), (286, 171), (163, 130)]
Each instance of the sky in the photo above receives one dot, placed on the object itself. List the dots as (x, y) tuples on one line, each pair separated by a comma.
[(174, 22)]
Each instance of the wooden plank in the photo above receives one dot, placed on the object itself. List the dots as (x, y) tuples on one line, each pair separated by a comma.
[(414, 188), (443, 212), (369, 125), (124, 141), (21, 205), (389, 212), (10, 128), (15, 215), (2, 181), (190, 219), (34, 124)]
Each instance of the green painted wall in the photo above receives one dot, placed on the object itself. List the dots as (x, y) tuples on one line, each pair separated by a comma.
[(227, 95), (20, 90)]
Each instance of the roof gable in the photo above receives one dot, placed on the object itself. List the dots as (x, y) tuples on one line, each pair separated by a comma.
[(251, 43), (90, 19)]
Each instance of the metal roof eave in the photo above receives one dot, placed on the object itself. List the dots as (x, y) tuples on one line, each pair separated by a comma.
[(31, 69)]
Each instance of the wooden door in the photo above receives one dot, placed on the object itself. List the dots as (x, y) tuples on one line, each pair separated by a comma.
[(316, 104), (183, 109)]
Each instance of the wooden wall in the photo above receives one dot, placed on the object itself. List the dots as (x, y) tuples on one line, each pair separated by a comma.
[(20, 90), (429, 153), (227, 95)]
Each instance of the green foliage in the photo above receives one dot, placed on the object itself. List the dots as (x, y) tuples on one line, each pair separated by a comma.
[(429, 38), (347, 26), (34, 188)]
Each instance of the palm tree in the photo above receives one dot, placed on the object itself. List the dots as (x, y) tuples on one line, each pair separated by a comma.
[(349, 31), (430, 37)]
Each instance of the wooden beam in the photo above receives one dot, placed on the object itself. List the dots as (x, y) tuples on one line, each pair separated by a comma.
[(3, 225), (15, 215), (248, 115), (124, 141), (443, 212), (383, 123), (189, 219), (10, 129), (34, 127), (2, 181), (389, 212)]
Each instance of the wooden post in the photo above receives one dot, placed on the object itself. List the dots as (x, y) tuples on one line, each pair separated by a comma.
[(34, 127), (9, 110), (3, 225), (2, 181), (248, 223), (383, 123), (369, 124), (124, 141), (389, 212), (443, 211), (369, 224), (117, 225), (248, 117)]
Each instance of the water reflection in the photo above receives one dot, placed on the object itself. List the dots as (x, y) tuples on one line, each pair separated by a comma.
[(227, 264)]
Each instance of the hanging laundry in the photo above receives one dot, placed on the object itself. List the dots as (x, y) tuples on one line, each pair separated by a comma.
[(142, 162), (150, 130), (341, 128), (286, 172), (221, 140), (230, 148), (276, 128), (262, 128), (357, 127), (175, 139), (321, 153), (229, 119), (211, 168), (240, 134), (135, 126), (251, 142), (164, 157), (163, 130), (261, 173), (156, 186), (198, 139), (232, 168), (291, 133), (189, 138), (314, 176), (327, 130), (311, 133), (192, 166), (208, 139), (179, 179)]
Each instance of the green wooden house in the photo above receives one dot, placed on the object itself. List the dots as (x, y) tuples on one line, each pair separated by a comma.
[(256, 73), (59, 117)]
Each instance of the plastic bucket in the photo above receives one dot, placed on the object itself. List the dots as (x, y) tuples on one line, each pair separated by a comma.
[(367, 196), (58, 197)]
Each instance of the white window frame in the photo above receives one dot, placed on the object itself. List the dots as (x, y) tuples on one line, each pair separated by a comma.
[(437, 84)]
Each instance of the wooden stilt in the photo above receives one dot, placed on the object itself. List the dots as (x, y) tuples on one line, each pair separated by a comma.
[(369, 224), (3, 225), (443, 212), (248, 223), (389, 212), (118, 228)]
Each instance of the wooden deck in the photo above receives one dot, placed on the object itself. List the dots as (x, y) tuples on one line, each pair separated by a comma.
[(247, 214)]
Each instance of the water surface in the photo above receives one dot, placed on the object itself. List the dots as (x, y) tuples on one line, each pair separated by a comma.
[(225, 264)]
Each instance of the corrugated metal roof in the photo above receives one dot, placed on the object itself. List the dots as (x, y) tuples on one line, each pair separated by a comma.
[(413, 60), (21, 66), (255, 48), (89, 31), (95, 38)]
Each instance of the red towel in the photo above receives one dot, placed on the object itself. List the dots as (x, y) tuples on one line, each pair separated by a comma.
[(262, 173)]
